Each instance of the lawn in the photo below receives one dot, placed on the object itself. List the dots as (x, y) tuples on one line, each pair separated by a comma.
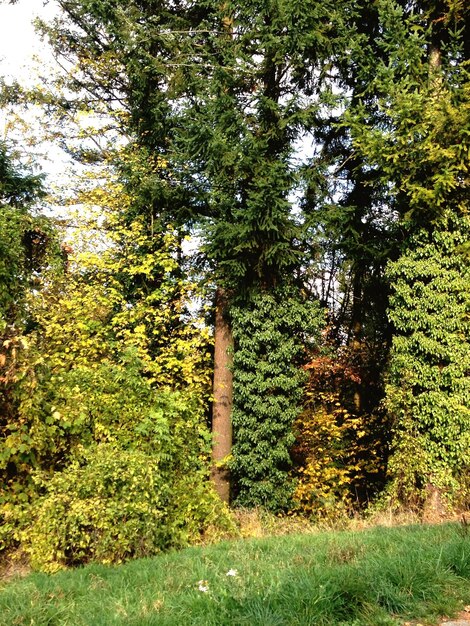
[(375, 577)]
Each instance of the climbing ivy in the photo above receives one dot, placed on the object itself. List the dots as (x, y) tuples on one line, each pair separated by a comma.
[(428, 392), (271, 331)]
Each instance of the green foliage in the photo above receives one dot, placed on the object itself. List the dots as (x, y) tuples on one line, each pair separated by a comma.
[(214, 100), (65, 410), (114, 504), (102, 335), (13, 225), (109, 506), (271, 331), (428, 393)]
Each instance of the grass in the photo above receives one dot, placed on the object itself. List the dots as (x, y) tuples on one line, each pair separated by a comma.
[(375, 577)]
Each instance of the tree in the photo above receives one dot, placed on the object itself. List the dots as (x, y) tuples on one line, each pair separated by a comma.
[(26, 242), (222, 93), (420, 150)]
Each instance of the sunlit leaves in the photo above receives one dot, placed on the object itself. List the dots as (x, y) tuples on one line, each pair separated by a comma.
[(429, 387)]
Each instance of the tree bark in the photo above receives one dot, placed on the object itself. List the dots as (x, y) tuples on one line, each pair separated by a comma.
[(223, 397), (355, 339)]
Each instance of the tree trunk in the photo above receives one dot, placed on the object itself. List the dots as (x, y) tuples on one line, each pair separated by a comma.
[(223, 395), (355, 332)]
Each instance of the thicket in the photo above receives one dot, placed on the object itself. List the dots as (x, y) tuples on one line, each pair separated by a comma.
[(340, 452), (105, 451)]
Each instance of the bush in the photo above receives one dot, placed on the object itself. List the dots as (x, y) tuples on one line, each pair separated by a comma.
[(113, 505), (113, 469), (339, 449)]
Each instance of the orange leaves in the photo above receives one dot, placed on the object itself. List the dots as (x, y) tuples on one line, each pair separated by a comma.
[(328, 369)]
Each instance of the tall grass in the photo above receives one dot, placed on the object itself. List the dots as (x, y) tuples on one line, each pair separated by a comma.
[(376, 577)]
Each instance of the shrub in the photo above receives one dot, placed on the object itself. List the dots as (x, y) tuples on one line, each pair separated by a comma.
[(338, 452), (113, 505), (120, 469)]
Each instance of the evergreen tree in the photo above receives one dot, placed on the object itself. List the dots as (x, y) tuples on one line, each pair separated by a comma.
[(222, 93), (21, 238), (419, 151)]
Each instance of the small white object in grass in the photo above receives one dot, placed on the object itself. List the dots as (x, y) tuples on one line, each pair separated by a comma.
[(203, 586), (232, 572)]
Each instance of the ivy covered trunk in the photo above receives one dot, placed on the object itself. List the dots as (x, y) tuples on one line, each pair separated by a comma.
[(429, 387), (271, 330)]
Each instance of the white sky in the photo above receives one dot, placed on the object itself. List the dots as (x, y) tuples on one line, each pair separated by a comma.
[(18, 41), (22, 55)]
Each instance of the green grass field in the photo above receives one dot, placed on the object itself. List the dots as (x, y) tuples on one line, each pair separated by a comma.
[(374, 577)]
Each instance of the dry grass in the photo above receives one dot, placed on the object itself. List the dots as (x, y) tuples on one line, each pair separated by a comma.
[(14, 565), (257, 523)]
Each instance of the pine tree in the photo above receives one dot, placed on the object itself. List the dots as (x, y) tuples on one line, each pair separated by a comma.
[(222, 93)]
